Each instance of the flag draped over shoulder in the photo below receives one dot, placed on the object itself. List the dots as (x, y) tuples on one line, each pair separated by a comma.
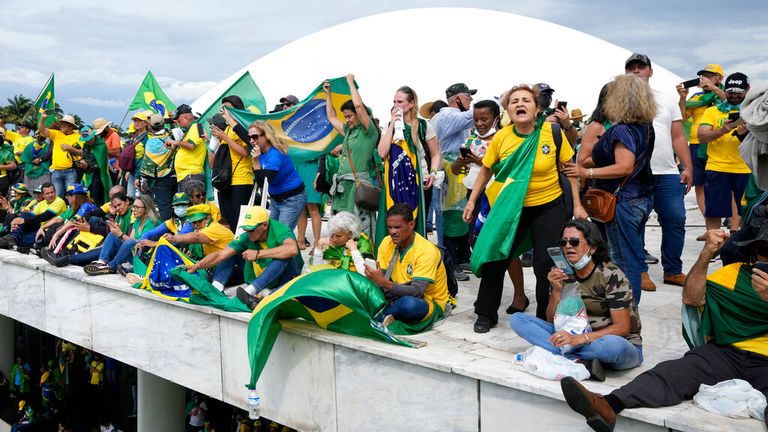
[(46, 102), (734, 311), (248, 91), (305, 127), (506, 195), (166, 277), (337, 300), (99, 149), (402, 184), (151, 97)]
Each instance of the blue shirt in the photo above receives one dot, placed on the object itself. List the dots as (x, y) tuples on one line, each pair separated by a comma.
[(286, 178), (452, 127), (635, 138)]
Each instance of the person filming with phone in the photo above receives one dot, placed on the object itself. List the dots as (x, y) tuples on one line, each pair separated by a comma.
[(615, 340)]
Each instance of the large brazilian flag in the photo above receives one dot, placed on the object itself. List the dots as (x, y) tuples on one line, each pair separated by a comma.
[(337, 300), (151, 97), (46, 101), (305, 127), (506, 194)]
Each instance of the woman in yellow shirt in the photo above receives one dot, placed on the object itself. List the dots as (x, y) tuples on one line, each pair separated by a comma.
[(543, 212)]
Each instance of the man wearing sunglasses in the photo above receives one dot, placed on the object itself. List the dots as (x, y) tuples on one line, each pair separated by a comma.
[(269, 251), (734, 314)]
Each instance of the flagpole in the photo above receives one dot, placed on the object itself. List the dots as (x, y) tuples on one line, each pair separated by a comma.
[(38, 97)]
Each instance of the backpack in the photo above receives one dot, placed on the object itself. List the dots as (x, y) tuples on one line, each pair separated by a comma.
[(127, 159), (221, 169), (322, 184), (450, 277)]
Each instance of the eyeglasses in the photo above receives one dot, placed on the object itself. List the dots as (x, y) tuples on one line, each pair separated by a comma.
[(197, 196), (135, 207), (573, 241), (254, 137)]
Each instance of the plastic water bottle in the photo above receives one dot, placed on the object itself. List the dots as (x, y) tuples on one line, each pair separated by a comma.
[(399, 126), (253, 404)]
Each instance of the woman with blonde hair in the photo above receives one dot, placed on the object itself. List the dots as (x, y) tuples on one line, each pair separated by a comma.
[(271, 161), (529, 211), (400, 148), (621, 165)]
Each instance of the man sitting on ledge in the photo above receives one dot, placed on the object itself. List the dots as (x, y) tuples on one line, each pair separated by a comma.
[(735, 315), (24, 227), (410, 271), (270, 252)]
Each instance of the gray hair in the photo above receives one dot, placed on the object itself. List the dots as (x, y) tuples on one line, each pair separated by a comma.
[(345, 221)]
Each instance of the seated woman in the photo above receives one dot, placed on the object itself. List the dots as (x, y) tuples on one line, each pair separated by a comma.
[(615, 338), (20, 199), (118, 246), (346, 248), (55, 228)]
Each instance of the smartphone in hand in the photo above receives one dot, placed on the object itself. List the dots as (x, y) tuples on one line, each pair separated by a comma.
[(559, 259), (691, 83)]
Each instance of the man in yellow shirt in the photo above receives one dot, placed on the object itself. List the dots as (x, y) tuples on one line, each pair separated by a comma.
[(410, 270), (66, 147), (213, 237), (734, 302), (20, 139), (727, 173), (24, 227), (192, 147)]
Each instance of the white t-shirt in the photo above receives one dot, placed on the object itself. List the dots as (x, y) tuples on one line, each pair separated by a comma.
[(197, 416), (663, 156)]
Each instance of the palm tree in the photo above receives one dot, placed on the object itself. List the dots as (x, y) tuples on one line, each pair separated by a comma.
[(17, 107), (78, 121)]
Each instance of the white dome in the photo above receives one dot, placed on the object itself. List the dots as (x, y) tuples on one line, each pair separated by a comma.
[(416, 48)]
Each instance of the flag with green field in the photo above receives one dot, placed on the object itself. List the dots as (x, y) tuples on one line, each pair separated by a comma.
[(46, 101), (245, 87), (151, 97)]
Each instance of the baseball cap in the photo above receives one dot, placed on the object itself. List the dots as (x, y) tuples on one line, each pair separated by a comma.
[(291, 99), (76, 189), (143, 115), (180, 198), (458, 88), (183, 109), (713, 68), (737, 83), (87, 133), (637, 57), (254, 217), (38, 190), (198, 212), (544, 87)]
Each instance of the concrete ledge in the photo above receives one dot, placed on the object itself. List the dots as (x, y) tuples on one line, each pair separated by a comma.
[(319, 380)]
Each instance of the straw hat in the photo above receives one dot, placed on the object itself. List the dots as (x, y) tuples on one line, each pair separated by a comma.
[(100, 124), (576, 114), (68, 119)]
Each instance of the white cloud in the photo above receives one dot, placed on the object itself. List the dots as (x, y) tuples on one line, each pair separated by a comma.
[(184, 91), (23, 76), (107, 103)]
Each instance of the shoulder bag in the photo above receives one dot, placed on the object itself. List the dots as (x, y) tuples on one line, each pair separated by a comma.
[(366, 194)]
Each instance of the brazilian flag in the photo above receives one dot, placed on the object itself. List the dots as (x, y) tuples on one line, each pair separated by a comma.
[(734, 311), (151, 97), (167, 277), (46, 101), (336, 300), (249, 92), (506, 194), (305, 127)]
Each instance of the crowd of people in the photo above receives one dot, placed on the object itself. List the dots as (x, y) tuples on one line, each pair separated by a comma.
[(502, 182)]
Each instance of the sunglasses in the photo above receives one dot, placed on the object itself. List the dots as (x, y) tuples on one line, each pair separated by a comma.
[(254, 137), (197, 196), (573, 241)]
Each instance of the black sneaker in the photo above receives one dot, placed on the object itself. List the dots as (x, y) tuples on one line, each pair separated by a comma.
[(247, 299), (650, 259), (595, 368), (124, 269), (52, 259), (460, 275), (483, 324)]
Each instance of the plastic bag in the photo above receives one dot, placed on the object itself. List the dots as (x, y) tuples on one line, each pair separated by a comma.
[(733, 398), (571, 314), (544, 364)]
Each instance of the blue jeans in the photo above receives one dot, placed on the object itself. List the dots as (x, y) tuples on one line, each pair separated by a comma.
[(613, 351), (115, 251), (163, 189), (224, 271), (408, 309), (277, 274), (63, 178), (130, 187), (289, 210), (84, 258), (668, 196), (437, 207), (625, 235)]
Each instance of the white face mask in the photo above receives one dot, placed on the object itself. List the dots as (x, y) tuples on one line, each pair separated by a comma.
[(109, 428), (180, 211), (583, 261), (490, 132)]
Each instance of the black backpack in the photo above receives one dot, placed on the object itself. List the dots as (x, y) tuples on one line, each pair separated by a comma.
[(450, 276), (221, 170)]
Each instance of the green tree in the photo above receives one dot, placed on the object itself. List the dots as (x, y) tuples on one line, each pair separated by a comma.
[(17, 107)]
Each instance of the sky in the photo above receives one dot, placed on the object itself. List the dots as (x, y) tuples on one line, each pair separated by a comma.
[(100, 51)]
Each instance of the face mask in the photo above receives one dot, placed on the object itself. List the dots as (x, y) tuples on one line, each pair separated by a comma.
[(583, 261), (180, 211), (109, 428), (490, 132)]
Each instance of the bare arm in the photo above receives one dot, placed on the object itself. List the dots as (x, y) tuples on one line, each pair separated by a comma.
[(215, 258), (588, 141), (707, 134), (695, 286), (330, 111), (479, 187), (190, 238), (362, 113), (288, 249), (385, 142), (41, 128), (434, 152), (680, 146)]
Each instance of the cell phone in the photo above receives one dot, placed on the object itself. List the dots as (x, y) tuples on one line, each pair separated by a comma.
[(562, 105), (761, 265), (691, 83), (465, 152), (370, 263), (559, 259), (733, 116)]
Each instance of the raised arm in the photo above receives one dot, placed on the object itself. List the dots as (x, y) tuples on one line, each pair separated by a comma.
[(362, 113), (695, 286), (330, 111)]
